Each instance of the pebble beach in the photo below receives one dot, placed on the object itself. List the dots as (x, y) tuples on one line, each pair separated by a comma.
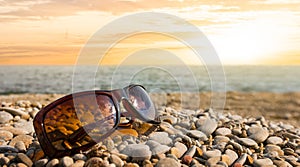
[(255, 129)]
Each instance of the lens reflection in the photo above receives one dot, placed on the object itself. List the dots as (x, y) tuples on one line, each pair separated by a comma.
[(68, 123), (140, 99)]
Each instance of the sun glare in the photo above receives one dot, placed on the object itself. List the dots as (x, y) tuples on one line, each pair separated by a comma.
[(248, 43)]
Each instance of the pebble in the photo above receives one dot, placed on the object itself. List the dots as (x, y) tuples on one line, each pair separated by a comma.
[(184, 138), (212, 153), (41, 162), (258, 134), (197, 134), (5, 117), (235, 117), (38, 154), (248, 142), (25, 159), (131, 165), (131, 132), (24, 138), (242, 159), (168, 128), (15, 112), (161, 137), (66, 161), (94, 162), (78, 163), (181, 148), (191, 151), (223, 131), (137, 151), (4, 161), (4, 149), (168, 118), (79, 157), (281, 163), (185, 124), (262, 162), (237, 165), (36, 104), (13, 130), (25, 126), (116, 160), (212, 161), (21, 165), (271, 148), (233, 156), (220, 139), (274, 140), (53, 163), (20, 146), (166, 162), (157, 148), (237, 131), (6, 135), (208, 126), (226, 159), (117, 139), (109, 143), (187, 159)]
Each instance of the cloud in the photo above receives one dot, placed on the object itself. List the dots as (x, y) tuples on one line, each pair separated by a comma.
[(210, 11), (45, 9)]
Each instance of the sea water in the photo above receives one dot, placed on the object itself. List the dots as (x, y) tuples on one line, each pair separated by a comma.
[(67, 79)]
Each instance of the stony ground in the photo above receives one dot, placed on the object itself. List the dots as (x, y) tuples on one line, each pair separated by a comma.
[(246, 134)]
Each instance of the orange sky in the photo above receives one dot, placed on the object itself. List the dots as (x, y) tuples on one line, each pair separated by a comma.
[(242, 32)]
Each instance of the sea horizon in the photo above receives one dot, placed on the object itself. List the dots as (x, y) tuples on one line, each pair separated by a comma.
[(16, 79)]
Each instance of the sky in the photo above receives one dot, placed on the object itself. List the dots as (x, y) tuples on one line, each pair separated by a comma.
[(54, 32)]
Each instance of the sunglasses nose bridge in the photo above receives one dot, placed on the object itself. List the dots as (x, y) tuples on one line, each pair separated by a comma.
[(119, 94)]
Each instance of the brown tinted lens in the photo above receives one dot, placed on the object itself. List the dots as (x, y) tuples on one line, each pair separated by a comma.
[(77, 121), (103, 119)]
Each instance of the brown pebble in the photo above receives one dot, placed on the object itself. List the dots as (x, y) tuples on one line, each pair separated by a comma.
[(131, 165), (174, 151), (141, 127), (187, 159), (154, 160), (244, 133), (147, 163), (199, 152), (25, 159), (250, 160), (225, 158), (21, 165), (39, 154), (237, 165)]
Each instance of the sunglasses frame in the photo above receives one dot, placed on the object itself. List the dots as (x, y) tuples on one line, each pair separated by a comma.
[(117, 96)]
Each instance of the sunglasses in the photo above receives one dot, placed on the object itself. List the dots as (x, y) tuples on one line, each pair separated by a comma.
[(78, 121)]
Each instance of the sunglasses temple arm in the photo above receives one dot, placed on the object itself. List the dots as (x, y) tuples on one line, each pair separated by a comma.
[(137, 114), (80, 133)]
